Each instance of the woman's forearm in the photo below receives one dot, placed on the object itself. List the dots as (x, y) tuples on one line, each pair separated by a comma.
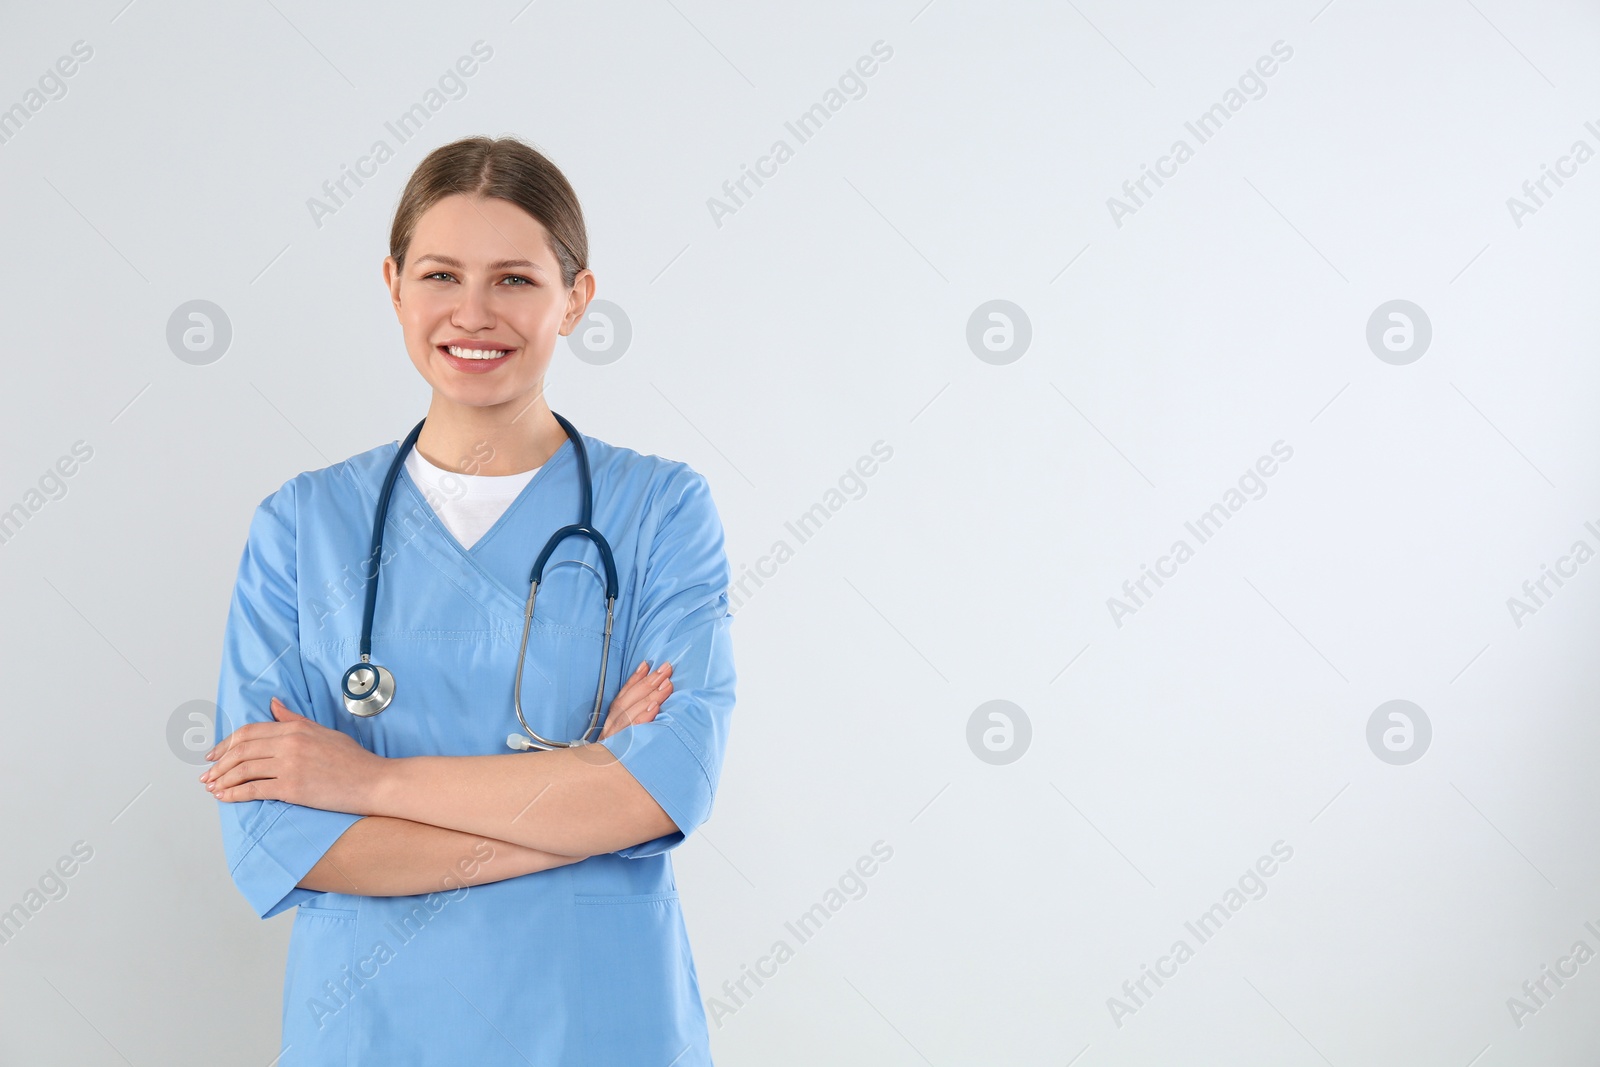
[(385, 857), (579, 801)]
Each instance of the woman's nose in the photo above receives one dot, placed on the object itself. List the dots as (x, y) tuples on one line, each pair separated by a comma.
[(473, 312)]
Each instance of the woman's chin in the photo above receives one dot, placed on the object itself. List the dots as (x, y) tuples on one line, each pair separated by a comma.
[(474, 394)]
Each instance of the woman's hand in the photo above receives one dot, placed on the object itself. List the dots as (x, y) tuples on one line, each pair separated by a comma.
[(294, 759), (639, 699)]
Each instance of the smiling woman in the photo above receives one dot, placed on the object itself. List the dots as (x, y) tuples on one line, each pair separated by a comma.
[(359, 820)]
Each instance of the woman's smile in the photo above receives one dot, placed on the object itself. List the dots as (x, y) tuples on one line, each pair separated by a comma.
[(474, 357)]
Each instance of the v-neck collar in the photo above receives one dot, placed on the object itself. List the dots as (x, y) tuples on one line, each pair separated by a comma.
[(452, 549)]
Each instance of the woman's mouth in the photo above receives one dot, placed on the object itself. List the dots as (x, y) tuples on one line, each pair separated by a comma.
[(473, 360)]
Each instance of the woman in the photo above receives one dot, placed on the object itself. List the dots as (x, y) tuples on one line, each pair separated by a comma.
[(457, 902)]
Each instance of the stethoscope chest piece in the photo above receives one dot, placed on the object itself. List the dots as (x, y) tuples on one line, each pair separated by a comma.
[(368, 689)]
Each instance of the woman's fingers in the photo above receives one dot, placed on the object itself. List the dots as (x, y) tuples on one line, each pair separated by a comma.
[(233, 755), (641, 688), (639, 699), (618, 711), (251, 770), (642, 707)]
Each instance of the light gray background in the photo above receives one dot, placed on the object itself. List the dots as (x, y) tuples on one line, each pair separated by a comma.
[(830, 311)]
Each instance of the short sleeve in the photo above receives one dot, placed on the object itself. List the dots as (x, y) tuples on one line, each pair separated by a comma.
[(683, 618), (270, 844)]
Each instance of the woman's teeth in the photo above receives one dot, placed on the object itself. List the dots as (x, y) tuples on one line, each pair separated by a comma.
[(477, 353)]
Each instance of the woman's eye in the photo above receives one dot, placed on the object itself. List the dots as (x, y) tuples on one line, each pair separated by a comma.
[(450, 277)]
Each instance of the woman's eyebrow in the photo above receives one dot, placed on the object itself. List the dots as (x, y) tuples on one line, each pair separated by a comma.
[(501, 265)]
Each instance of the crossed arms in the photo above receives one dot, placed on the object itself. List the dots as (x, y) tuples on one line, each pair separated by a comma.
[(306, 809), (432, 822)]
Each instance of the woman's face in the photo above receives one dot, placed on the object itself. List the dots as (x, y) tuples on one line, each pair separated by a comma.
[(481, 281)]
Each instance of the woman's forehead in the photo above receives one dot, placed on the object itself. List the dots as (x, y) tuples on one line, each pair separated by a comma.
[(477, 229)]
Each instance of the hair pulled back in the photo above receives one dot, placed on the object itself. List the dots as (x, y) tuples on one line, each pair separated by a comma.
[(504, 168)]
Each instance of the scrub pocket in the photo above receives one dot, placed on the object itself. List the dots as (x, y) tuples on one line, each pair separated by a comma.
[(321, 950), (640, 999)]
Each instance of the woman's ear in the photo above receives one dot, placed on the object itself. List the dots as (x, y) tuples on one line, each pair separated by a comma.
[(391, 281), (578, 298)]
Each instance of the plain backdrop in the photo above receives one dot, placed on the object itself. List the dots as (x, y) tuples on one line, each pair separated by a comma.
[(1152, 747)]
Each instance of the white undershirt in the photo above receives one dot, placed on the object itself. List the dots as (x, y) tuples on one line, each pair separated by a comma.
[(467, 504)]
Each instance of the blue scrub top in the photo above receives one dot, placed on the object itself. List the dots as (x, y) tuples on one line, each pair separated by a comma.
[(583, 964)]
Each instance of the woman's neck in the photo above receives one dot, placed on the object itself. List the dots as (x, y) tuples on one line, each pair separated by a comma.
[(506, 439)]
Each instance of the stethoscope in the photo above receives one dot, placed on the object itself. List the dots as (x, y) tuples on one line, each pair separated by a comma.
[(369, 688)]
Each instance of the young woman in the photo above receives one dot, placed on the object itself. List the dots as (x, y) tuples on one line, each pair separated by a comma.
[(458, 902)]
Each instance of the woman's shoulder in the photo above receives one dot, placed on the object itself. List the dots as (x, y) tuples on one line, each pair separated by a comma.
[(622, 460), (656, 477), (352, 482), (667, 497)]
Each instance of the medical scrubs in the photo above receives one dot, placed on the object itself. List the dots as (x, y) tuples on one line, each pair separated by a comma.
[(588, 963)]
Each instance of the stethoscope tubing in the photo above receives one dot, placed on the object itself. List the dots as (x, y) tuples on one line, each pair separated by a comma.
[(380, 682)]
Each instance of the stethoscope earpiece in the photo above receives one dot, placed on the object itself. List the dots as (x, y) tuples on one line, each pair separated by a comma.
[(368, 689)]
